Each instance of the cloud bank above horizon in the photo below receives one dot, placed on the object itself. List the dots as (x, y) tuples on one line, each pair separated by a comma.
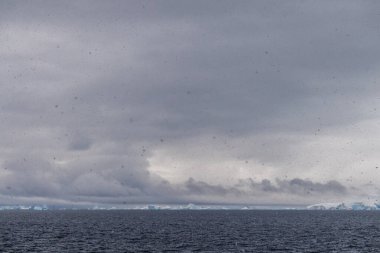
[(255, 102)]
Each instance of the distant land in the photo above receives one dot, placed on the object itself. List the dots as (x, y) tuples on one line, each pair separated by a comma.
[(321, 206)]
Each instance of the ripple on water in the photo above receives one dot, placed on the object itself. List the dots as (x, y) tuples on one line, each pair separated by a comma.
[(189, 231)]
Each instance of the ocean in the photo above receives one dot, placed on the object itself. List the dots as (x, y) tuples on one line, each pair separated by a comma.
[(189, 231)]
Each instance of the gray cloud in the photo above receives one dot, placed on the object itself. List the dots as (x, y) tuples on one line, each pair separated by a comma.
[(80, 143), (202, 188), (128, 100), (297, 186)]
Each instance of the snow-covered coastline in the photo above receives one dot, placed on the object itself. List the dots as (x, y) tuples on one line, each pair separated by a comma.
[(321, 206), (344, 206)]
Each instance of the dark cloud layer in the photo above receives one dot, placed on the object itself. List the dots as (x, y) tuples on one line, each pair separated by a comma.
[(294, 186), (176, 101)]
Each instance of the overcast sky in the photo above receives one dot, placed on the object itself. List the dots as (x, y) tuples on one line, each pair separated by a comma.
[(251, 102)]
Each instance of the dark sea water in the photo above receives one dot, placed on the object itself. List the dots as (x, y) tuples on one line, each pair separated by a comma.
[(188, 231)]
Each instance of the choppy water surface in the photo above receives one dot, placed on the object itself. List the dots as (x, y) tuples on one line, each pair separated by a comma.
[(203, 231)]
